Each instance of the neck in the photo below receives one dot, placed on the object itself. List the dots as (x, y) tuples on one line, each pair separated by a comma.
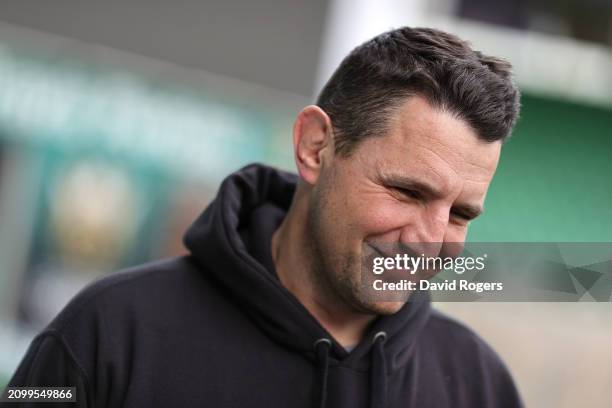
[(292, 254)]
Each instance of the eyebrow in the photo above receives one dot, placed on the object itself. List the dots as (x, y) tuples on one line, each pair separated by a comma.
[(467, 211)]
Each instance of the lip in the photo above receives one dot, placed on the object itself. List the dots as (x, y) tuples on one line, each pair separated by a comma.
[(378, 250), (399, 249)]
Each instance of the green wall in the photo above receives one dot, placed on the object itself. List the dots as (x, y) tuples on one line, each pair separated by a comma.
[(554, 180)]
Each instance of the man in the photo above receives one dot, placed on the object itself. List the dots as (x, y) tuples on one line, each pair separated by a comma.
[(267, 310)]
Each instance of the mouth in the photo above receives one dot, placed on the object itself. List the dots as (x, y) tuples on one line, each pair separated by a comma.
[(406, 255), (378, 250), (393, 249)]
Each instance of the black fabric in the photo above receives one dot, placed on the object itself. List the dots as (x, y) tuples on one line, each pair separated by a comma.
[(216, 328), (378, 372), (322, 351)]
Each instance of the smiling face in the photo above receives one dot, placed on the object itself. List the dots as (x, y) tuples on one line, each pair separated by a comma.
[(418, 185)]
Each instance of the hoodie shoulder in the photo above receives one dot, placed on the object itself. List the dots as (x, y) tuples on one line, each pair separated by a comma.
[(119, 289), (458, 339), (93, 342), (469, 363)]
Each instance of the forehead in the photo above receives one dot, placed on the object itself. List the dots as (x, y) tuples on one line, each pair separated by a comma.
[(433, 144)]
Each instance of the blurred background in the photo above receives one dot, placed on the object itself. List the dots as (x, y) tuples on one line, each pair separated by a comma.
[(118, 120)]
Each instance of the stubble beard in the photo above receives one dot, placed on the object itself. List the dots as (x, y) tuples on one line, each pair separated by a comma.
[(336, 276)]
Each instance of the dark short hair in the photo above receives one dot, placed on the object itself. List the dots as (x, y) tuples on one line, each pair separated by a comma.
[(377, 76)]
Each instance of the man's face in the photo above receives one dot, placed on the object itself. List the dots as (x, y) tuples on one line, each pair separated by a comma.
[(419, 185)]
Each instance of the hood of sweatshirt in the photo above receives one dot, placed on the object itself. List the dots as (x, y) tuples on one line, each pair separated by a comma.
[(231, 241)]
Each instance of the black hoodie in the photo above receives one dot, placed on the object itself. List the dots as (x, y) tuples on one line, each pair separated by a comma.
[(216, 328)]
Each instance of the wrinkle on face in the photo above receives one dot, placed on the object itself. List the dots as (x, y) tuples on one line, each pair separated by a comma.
[(430, 145), (447, 145), (423, 144)]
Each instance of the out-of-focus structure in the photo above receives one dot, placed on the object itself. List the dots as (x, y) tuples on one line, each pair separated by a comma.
[(119, 119)]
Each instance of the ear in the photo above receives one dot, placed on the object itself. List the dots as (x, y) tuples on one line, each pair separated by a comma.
[(312, 142)]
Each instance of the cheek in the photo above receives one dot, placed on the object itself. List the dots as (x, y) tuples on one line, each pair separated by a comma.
[(385, 218), (455, 233)]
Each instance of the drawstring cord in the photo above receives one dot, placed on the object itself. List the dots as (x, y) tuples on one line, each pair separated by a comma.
[(322, 347), (378, 372)]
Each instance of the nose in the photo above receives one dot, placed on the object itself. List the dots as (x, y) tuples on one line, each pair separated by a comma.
[(425, 234)]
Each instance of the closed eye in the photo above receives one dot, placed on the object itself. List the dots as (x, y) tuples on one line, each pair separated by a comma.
[(408, 192), (461, 216), (464, 216)]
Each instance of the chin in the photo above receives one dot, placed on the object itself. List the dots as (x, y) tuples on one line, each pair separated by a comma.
[(380, 308), (387, 308)]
